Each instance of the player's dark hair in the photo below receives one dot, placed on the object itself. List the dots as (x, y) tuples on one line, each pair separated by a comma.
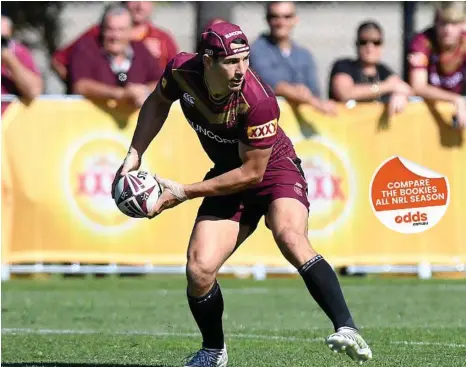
[(239, 41), (371, 24)]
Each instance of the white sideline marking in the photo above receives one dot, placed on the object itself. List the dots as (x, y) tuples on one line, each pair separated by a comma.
[(452, 345), (168, 333)]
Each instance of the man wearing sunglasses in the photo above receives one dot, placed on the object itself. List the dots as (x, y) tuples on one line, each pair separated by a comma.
[(366, 78), (287, 67), (437, 59)]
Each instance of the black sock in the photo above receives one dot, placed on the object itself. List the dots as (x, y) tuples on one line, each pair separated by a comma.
[(322, 283), (207, 312)]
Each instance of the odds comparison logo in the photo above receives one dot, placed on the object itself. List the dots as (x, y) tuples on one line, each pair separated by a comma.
[(407, 197), (90, 166), (331, 184)]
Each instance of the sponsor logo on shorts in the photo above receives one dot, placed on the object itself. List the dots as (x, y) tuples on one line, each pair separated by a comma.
[(331, 184), (263, 131), (298, 188), (201, 130), (164, 82), (89, 168)]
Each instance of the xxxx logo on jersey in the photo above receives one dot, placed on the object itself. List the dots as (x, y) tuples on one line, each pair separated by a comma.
[(263, 131), (91, 166), (330, 189)]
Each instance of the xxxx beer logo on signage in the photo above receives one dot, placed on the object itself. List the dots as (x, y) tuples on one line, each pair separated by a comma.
[(330, 184), (90, 167)]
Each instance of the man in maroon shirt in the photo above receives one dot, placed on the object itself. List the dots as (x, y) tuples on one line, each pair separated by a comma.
[(160, 43), (256, 173), (437, 59), (113, 68)]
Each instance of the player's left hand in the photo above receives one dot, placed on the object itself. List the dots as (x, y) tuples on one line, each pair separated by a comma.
[(173, 194)]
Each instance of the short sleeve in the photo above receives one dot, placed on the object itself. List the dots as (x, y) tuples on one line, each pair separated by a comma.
[(172, 47), (384, 71), (63, 55), (312, 79), (168, 85), (343, 67), (261, 63), (261, 124), (81, 57), (419, 52), (153, 69)]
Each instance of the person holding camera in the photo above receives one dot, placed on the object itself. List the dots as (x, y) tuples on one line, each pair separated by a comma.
[(20, 75)]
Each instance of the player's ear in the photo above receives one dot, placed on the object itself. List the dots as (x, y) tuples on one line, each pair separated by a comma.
[(207, 61)]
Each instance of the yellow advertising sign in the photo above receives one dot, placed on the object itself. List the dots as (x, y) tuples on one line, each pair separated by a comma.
[(59, 158)]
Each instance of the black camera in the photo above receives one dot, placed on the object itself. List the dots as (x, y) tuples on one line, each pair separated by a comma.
[(5, 42)]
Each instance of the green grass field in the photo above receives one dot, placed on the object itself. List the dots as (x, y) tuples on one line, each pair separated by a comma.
[(142, 322)]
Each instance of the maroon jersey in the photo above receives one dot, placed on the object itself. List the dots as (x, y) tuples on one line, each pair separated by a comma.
[(445, 69), (250, 115)]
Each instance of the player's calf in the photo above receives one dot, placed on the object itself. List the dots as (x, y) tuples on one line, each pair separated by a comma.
[(323, 285)]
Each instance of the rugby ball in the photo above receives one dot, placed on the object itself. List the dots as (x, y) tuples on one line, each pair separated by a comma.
[(136, 193)]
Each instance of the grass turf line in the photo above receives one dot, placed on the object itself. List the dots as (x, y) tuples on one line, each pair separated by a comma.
[(270, 323)]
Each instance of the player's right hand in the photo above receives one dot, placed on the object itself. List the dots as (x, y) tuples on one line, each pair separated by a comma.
[(131, 163)]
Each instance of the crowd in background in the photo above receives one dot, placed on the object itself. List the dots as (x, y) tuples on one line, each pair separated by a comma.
[(121, 59)]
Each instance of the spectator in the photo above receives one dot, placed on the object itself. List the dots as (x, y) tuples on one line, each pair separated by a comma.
[(114, 67), (437, 59), (20, 75), (288, 68), (159, 43), (366, 78)]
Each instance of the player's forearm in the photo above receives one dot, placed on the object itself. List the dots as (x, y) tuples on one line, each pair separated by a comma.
[(152, 116), (96, 90), (27, 82), (230, 182), (431, 92)]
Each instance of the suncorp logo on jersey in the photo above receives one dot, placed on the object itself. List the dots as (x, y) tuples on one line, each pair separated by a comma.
[(201, 130), (417, 219)]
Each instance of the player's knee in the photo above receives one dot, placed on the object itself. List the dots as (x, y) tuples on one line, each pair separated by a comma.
[(201, 273), (289, 237), (294, 245)]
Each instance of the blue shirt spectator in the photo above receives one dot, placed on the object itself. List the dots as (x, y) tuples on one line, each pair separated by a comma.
[(296, 66), (288, 68)]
